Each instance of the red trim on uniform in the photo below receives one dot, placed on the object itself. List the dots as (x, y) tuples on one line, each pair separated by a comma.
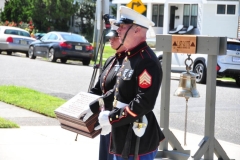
[(141, 55), (148, 53), (104, 80), (130, 112), (111, 122), (137, 51)]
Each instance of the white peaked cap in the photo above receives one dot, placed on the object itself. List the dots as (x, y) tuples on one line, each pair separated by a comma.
[(151, 33), (137, 18), (113, 26), (113, 31)]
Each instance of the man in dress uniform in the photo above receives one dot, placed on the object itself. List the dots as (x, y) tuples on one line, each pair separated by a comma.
[(106, 82), (135, 132)]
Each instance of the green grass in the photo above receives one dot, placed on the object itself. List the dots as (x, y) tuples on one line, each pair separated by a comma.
[(7, 124), (226, 79), (107, 52), (30, 99)]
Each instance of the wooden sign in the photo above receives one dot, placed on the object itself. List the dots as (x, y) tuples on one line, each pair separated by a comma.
[(69, 115), (184, 43)]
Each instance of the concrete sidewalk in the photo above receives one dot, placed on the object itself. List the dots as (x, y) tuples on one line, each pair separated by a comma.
[(42, 138)]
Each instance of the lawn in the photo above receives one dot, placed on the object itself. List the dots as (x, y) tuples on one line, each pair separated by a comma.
[(107, 52), (30, 99)]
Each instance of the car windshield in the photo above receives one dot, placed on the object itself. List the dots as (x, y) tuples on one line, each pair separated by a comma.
[(233, 46), (17, 32), (73, 37)]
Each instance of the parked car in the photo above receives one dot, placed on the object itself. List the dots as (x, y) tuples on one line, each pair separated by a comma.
[(62, 45), (39, 35), (13, 39), (227, 65)]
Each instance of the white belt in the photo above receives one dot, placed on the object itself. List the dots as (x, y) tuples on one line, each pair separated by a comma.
[(120, 104)]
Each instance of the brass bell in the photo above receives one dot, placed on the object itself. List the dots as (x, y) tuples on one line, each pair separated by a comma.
[(187, 86), (187, 83)]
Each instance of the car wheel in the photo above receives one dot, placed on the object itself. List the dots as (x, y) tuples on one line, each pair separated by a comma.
[(86, 62), (9, 52), (63, 60), (238, 81), (31, 52), (51, 56), (200, 70)]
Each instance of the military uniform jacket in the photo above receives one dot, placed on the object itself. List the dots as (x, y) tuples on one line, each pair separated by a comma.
[(138, 84), (107, 79)]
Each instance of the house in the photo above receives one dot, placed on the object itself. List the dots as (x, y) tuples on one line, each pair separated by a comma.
[(209, 17)]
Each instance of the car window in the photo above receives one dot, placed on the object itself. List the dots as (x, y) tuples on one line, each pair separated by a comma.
[(16, 32), (53, 37), (45, 37), (233, 46), (73, 37)]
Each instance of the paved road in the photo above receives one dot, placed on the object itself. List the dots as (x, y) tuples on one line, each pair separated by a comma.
[(66, 80)]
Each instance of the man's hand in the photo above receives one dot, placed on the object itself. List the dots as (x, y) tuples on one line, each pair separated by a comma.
[(104, 122), (87, 112)]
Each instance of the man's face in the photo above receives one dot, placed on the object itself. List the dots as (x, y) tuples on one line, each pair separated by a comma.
[(114, 42), (123, 28)]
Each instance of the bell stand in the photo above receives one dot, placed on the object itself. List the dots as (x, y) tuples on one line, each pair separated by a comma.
[(212, 46)]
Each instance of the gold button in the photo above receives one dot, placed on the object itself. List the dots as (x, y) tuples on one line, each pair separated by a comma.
[(116, 116), (142, 50), (116, 89), (110, 119), (129, 53), (123, 113)]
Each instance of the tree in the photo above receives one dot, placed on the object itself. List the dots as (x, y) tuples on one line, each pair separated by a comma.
[(16, 10), (86, 16), (55, 14)]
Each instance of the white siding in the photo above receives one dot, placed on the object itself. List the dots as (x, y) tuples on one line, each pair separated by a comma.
[(214, 24)]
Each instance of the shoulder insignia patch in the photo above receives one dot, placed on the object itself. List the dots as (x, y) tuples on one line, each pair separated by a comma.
[(145, 79)]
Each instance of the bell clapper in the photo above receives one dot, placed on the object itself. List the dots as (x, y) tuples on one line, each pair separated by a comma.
[(185, 129)]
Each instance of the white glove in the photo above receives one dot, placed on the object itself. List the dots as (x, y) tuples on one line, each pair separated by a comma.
[(104, 122), (103, 118), (105, 130), (97, 127), (87, 112), (140, 131)]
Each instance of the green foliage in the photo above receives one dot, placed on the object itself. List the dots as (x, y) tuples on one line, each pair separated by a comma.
[(86, 16), (50, 15), (16, 10)]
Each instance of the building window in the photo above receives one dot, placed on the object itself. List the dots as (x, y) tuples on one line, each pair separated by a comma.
[(226, 9), (221, 9), (190, 13), (231, 9), (157, 14)]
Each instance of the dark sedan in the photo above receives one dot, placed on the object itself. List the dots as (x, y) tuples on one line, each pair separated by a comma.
[(62, 45)]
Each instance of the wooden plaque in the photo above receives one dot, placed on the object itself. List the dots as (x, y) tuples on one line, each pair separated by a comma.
[(69, 115), (184, 44)]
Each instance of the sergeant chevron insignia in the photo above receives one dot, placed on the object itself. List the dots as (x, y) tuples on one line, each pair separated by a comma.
[(145, 79)]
